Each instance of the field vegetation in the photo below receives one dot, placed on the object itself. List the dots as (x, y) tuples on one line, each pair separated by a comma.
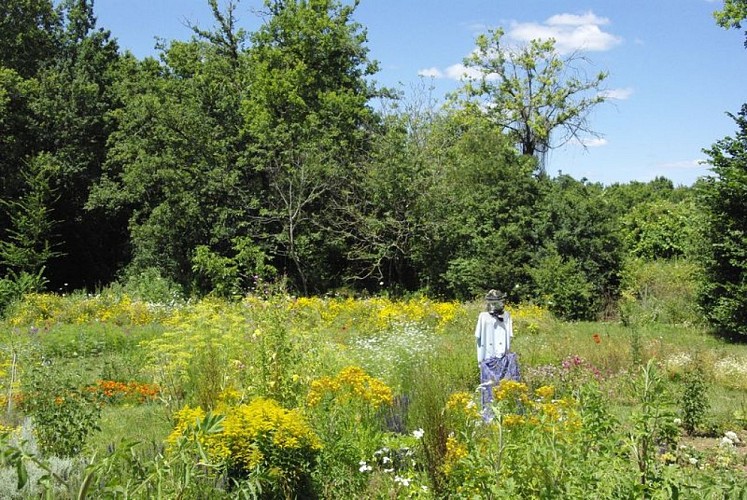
[(277, 396), (240, 269)]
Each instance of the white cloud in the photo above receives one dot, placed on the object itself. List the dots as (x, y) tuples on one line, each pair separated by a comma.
[(571, 32), (618, 94), (431, 73), (576, 20), (683, 165), (459, 71), (588, 142), (594, 142)]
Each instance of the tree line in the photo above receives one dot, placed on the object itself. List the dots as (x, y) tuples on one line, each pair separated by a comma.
[(237, 160)]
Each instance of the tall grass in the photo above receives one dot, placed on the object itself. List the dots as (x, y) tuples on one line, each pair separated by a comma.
[(221, 355)]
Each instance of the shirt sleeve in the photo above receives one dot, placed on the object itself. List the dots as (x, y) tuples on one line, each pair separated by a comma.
[(510, 326)]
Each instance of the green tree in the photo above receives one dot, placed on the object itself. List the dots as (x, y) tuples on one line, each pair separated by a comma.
[(661, 229), (28, 35), (26, 247), (476, 217), (539, 96), (54, 94), (29, 41), (579, 233), (71, 104), (624, 197), (16, 137), (177, 166), (732, 15), (311, 127), (385, 212), (722, 196)]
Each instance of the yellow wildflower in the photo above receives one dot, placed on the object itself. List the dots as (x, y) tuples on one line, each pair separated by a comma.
[(546, 392), (351, 382), (455, 451), (512, 420), (464, 404), (511, 390)]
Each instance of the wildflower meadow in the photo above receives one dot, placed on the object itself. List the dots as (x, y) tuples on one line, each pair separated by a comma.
[(109, 396)]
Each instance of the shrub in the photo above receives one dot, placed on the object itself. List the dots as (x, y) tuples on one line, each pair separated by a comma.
[(259, 436), (150, 286), (660, 229), (660, 291), (14, 287), (531, 449), (694, 400), (346, 411), (564, 287), (213, 344), (63, 413)]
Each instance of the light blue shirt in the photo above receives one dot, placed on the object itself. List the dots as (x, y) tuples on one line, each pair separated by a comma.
[(493, 335)]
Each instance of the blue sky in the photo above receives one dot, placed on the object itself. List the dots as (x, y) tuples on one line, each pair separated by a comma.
[(673, 72)]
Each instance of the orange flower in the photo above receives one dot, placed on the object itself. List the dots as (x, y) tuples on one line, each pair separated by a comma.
[(597, 338), (132, 391)]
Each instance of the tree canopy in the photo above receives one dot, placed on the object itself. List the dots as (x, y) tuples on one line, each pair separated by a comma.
[(540, 97), (732, 15), (234, 161), (723, 194)]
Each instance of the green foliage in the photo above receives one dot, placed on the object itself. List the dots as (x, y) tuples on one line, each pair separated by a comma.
[(63, 413), (26, 249), (723, 294), (660, 292), (694, 399), (309, 116), (654, 427), (242, 157), (636, 350), (28, 32), (625, 197), (384, 222), (732, 15), (661, 229), (26, 474), (13, 287), (149, 285), (429, 382), (563, 286), (125, 470), (476, 217), (598, 421), (55, 127), (577, 228), (200, 355), (346, 412), (179, 122), (232, 276), (92, 340)]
